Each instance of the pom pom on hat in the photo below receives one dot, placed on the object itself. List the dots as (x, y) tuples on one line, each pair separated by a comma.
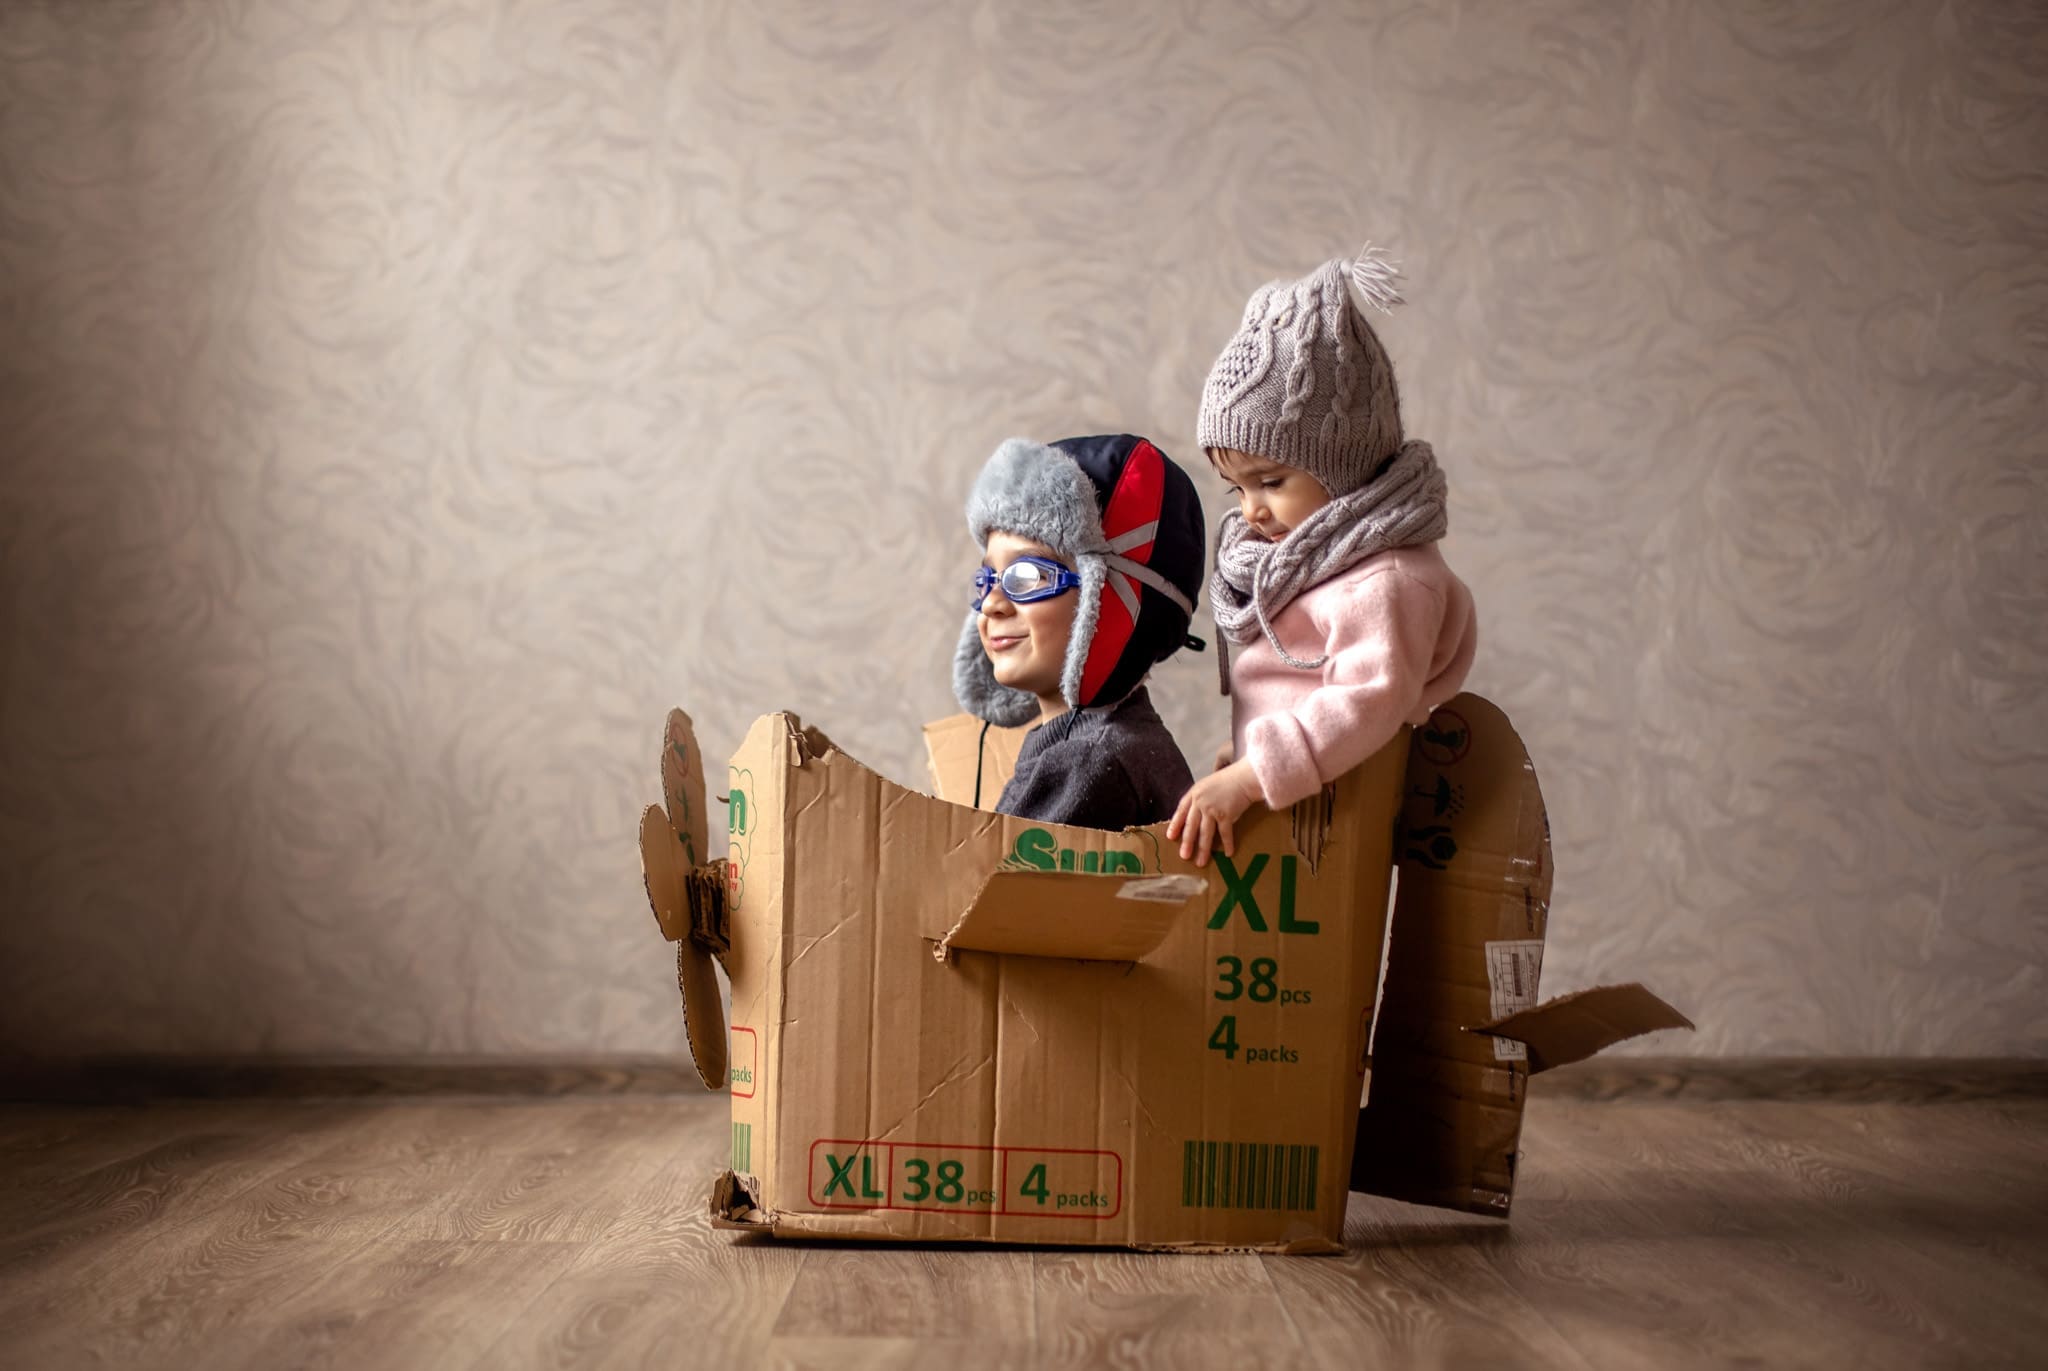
[(1371, 276)]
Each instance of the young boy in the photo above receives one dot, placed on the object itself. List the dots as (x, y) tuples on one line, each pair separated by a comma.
[(1093, 552)]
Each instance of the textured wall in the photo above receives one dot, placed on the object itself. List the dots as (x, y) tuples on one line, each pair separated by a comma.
[(402, 405)]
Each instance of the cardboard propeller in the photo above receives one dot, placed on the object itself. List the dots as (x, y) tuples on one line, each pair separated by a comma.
[(687, 893)]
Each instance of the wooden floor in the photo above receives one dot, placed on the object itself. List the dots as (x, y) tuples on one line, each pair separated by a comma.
[(560, 1233)]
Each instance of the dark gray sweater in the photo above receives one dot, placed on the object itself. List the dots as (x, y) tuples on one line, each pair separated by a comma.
[(1099, 768)]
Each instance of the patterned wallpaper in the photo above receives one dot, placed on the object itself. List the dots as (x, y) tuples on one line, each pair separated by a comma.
[(402, 405)]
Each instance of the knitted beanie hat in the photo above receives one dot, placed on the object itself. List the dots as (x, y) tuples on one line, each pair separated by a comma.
[(1305, 381), (1128, 521)]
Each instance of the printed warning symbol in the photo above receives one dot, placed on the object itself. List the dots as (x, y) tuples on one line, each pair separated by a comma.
[(1446, 801), (1445, 739)]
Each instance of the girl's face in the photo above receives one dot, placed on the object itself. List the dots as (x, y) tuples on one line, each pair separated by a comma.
[(1027, 644), (1274, 498)]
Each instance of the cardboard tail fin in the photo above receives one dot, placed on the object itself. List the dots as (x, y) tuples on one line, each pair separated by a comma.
[(1573, 1027), (1459, 1031)]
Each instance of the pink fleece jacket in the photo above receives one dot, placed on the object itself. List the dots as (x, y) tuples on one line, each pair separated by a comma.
[(1399, 632)]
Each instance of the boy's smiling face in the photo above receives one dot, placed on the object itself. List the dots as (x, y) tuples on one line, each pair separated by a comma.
[(1026, 644), (1274, 499)]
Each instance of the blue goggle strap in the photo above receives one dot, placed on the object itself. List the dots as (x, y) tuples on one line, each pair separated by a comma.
[(1120, 568)]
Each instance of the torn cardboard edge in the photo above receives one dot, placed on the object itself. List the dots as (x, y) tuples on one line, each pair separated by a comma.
[(1088, 916), (808, 742), (1574, 1027), (736, 1203)]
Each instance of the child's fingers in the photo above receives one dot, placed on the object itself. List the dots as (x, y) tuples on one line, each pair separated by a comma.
[(1207, 841), (1227, 833)]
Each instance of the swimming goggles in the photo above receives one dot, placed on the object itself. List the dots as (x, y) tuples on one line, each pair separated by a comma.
[(1025, 580)]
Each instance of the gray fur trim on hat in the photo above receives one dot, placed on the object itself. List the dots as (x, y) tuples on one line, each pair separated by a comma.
[(1036, 491), (976, 687), (1094, 573)]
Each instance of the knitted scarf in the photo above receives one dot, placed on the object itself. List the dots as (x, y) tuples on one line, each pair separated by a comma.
[(1401, 506)]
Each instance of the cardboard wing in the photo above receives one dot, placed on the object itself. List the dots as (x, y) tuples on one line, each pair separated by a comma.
[(688, 893), (1459, 1031)]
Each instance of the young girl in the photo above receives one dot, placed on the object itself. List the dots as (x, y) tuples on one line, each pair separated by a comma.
[(1328, 572), (1092, 559)]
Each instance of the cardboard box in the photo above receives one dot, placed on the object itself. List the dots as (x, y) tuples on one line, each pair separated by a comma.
[(951, 1025)]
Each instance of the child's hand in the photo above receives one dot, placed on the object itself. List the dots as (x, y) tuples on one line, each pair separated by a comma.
[(1224, 754), (1205, 815)]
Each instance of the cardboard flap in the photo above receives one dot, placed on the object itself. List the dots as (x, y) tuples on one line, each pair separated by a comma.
[(1114, 918), (1573, 1027)]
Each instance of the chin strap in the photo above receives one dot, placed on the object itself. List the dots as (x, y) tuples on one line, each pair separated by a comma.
[(980, 753)]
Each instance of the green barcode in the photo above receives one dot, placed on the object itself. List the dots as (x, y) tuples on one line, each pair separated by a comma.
[(1248, 1175), (742, 1146)]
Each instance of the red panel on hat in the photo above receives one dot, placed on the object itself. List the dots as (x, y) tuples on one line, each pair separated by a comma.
[(1113, 629), (1139, 496)]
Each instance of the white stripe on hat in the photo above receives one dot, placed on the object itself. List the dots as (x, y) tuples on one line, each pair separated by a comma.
[(1121, 584), (1137, 537)]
